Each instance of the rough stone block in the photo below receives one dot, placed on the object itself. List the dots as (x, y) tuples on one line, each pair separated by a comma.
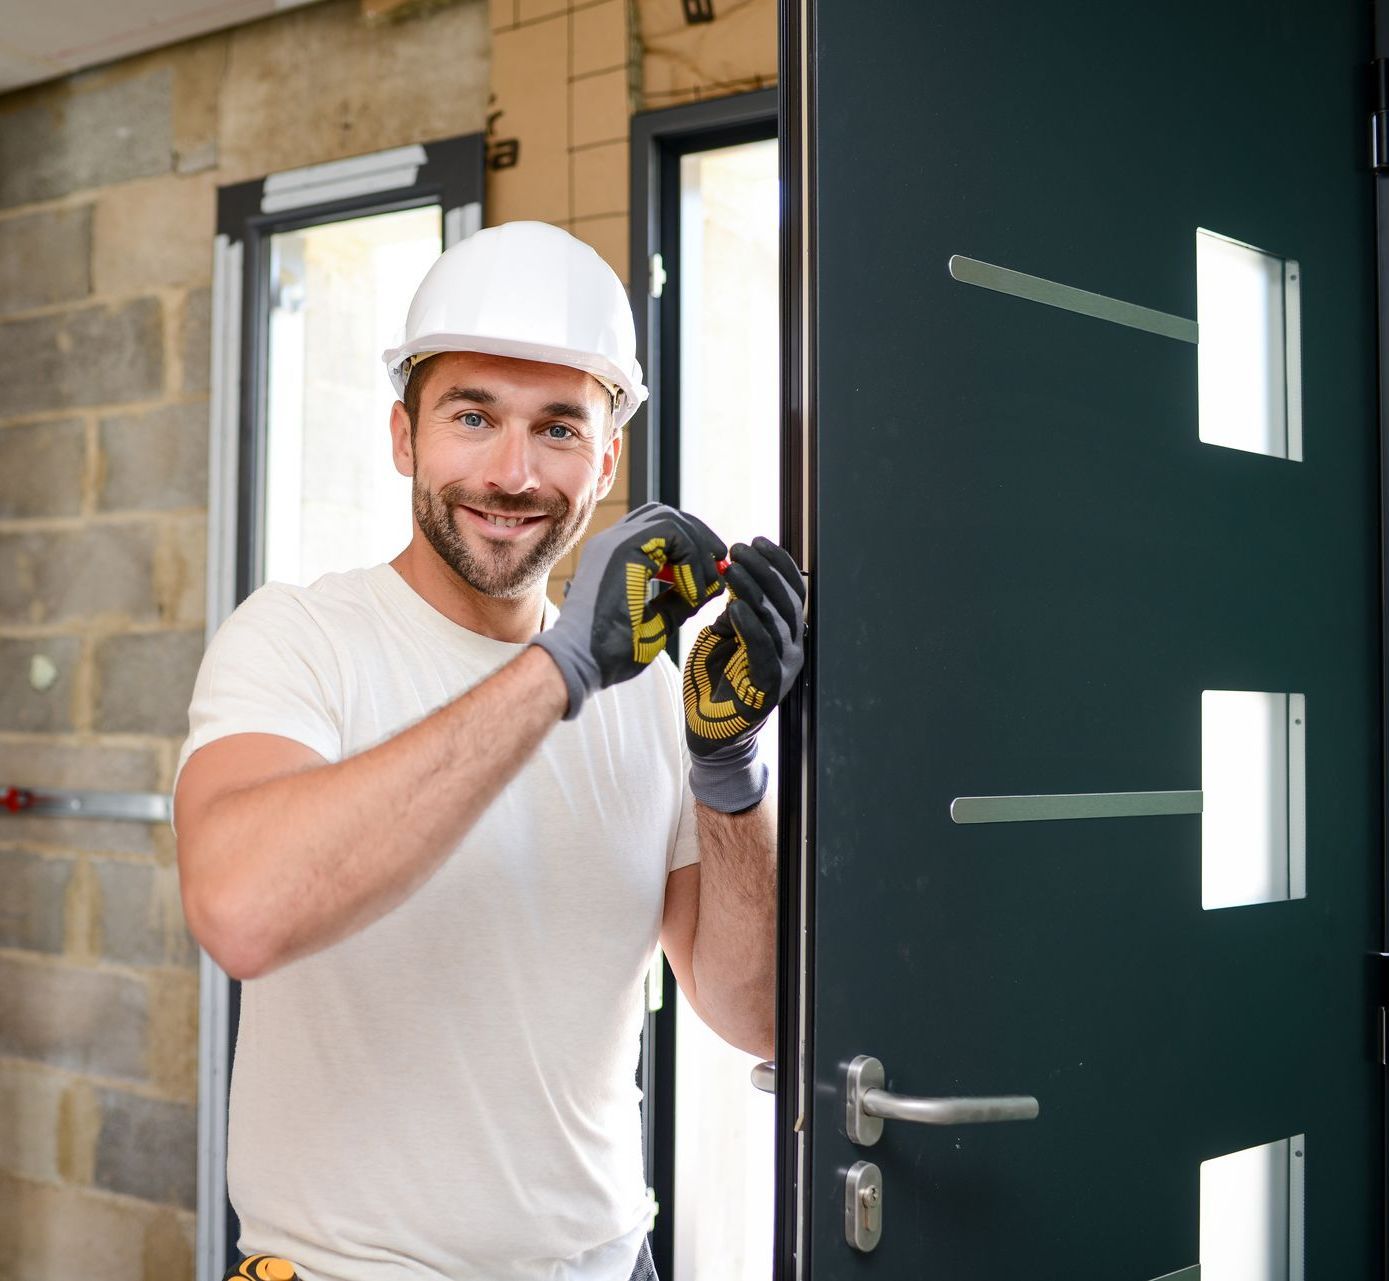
[(169, 1241), (153, 233), (144, 683), (29, 1101), (180, 571), (147, 1148), (80, 1019), (85, 131), (41, 469), (36, 684), (25, 762), (318, 84), (99, 572), (195, 340), (155, 460), (31, 911), (90, 356), (198, 67), (45, 258), (173, 1036), (142, 915), (52, 1230)]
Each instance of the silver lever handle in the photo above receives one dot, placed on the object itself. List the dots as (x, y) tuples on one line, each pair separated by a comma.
[(764, 1077), (869, 1104)]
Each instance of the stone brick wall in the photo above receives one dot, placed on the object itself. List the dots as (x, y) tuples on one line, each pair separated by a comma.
[(107, 193)]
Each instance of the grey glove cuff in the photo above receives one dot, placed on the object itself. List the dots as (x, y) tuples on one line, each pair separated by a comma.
[(729, 779), (576, 664)]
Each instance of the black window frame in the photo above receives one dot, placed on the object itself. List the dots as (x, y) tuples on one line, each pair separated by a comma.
[(451, 177)]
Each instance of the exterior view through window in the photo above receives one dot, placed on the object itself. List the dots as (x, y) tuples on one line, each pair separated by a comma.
[(729, 403), (338, 293)]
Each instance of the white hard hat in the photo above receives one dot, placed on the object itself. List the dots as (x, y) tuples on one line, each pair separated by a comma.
[(531, 291)]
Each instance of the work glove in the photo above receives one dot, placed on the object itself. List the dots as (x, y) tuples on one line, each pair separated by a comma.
[(739, 668), (608, 631)]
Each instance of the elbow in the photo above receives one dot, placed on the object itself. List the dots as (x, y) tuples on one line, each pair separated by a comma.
[(222, 928), (745, 1020)]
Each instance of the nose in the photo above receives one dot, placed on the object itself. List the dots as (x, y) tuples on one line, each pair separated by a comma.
[(510, 464)]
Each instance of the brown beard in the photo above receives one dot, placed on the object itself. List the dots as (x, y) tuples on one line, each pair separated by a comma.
[(503, 572)]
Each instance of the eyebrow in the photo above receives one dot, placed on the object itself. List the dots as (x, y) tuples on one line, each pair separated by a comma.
[(481, 396), (567, 409), (478, 395)]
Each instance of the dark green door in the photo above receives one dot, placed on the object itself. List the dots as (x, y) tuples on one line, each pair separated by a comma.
[(1035, 579)]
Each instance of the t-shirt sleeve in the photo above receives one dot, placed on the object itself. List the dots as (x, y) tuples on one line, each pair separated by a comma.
[(270, 669), (686, 848)]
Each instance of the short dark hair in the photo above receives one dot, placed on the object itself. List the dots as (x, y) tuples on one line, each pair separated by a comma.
[(414, 386)]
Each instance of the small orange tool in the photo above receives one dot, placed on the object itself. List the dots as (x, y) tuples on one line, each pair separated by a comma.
[(666, 574)]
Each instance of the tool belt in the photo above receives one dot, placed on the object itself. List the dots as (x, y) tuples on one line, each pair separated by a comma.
[(262, 1267)]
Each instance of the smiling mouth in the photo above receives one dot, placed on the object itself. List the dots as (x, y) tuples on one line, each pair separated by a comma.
[(504, 522)]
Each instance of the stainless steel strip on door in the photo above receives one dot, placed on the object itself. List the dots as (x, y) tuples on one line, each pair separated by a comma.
[(1192, 1273), (1032, 809), (1004, 280)]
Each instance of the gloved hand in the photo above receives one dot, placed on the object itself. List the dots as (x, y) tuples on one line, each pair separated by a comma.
[(608, 631), (739, 668)]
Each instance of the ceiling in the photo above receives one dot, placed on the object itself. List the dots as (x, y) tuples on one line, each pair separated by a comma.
[(41, 39)]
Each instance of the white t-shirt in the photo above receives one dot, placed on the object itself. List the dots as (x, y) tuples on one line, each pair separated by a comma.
[(450, 1092)]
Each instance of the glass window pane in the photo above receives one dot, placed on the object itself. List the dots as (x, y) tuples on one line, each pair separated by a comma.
[(338, 295), (729, 478), (1253, 783), (1252, 1213), (1249, 349)]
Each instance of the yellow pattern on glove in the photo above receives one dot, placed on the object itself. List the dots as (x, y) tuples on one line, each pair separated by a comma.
[(711, 718), (648, 634)]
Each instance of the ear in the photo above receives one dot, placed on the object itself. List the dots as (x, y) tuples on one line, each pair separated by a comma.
[(401, 450), (608, 466)]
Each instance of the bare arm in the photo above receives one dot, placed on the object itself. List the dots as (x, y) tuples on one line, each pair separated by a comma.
[(719, 926), (275, 868)]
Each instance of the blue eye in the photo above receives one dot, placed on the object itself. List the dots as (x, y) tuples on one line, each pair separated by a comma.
[(471, 418), (569, 432)]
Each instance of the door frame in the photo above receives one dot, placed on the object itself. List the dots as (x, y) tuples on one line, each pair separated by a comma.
[(658, 140), (1379, 106)]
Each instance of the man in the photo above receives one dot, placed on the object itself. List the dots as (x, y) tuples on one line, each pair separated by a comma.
[(438, 826)]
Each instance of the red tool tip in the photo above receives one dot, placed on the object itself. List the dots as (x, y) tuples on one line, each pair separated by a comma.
[(666, 573)]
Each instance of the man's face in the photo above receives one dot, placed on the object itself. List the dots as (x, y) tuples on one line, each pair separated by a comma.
[(499, 441)]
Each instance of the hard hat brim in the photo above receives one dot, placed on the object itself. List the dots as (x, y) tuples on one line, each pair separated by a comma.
[(633, 393)]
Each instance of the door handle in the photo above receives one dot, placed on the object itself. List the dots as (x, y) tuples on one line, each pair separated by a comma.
[(868, 1105)]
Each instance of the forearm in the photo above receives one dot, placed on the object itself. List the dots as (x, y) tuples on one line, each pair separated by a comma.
[(734, 953), (295, 864)]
